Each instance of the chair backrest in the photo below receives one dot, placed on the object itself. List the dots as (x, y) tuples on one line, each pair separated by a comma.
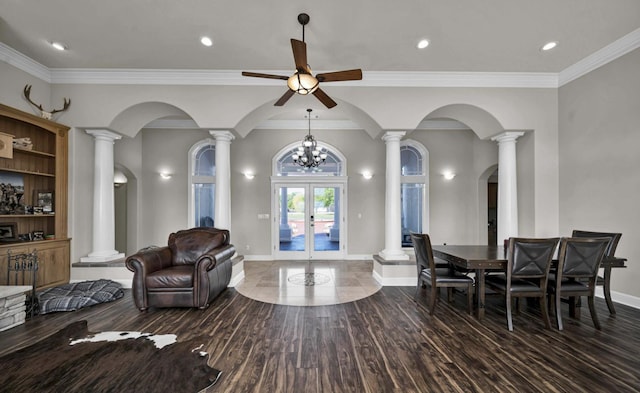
[(530, 257), (614, 238), (190, 244), (424, 253), (581, 256)]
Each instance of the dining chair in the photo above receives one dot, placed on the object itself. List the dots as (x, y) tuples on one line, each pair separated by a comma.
[(578, 260), (610, 251), (527, 271), (437, 277)]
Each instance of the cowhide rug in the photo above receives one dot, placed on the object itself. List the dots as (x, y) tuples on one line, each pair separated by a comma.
[(74, 360)]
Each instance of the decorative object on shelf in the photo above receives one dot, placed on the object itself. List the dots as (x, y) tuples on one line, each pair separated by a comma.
[(8, 231), (37, 235), (308, 154), (6, 145), (43, 199), (22, 143), (43, 113), (11, 192)]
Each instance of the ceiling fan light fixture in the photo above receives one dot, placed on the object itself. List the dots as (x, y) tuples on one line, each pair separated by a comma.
[(302, 83), (206, 41)]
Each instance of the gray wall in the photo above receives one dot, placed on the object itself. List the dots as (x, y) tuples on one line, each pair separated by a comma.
[(599, 159)]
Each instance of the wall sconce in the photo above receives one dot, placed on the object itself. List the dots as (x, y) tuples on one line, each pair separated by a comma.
[(165, 175), (449, 175), (119, 177), (367, 175), (249, 175)]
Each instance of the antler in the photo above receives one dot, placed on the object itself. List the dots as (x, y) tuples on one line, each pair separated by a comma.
[(43, 113), (67, 102), (27, 92)]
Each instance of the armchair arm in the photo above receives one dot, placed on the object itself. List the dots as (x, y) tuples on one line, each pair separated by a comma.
[(149, 261), (208, 261)]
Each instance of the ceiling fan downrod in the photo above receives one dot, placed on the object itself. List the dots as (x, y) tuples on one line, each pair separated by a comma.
[(303, 19)]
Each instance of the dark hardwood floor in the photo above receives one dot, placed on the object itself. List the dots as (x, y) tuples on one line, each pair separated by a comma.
[(383, 343)]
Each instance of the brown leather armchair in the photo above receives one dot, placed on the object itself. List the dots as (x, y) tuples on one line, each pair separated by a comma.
[(190, 271)]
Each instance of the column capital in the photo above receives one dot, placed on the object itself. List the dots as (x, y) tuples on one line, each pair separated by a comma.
[(105, 135), (222, 135), (508, 136), (393, 135)]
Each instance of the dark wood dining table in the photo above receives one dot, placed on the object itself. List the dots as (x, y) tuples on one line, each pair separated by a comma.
[(482, 258)]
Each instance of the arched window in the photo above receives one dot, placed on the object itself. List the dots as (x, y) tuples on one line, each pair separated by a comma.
[(333, 165), (202, 183), (414, 181)]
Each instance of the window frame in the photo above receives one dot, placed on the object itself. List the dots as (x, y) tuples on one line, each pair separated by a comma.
[(192, 179)]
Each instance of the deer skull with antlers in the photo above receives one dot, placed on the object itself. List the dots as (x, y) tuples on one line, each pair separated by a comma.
[(43, 113)]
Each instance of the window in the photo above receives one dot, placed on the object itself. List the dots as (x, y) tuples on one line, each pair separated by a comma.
[(202, 174), (333, 165), (413, 195)]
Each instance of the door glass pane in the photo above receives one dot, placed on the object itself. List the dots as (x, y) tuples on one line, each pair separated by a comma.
[(411, 195), (292, 219), (326, 227), (204, 195)]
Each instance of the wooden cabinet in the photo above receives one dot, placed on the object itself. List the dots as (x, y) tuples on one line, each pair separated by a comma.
[(40, 174)]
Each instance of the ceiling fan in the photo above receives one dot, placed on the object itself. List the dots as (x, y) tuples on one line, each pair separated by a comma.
[(302, 81)]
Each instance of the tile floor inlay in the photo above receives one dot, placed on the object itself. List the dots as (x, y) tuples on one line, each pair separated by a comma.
[(309, 279), (308, 283)]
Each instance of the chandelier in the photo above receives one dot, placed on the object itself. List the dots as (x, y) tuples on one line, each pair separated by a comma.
[(308, 154)]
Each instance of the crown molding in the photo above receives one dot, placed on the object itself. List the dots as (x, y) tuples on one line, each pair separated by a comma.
[(24, 63), (369, 79), (603, 56)]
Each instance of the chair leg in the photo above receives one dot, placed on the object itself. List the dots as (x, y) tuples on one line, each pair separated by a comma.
[(450, 294), (558, 300), (592, 309), (545, 311), (607, 291), (432, 299), (470, 298), (509, 320)]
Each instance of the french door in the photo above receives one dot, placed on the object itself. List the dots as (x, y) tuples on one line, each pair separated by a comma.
[(308, 221)]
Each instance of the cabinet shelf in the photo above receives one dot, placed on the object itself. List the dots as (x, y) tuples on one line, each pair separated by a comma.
[(28, 172), (32, 152), (27, 215)]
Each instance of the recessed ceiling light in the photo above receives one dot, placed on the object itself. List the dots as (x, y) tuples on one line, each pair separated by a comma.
[(206, 41), (549, 46), (422, 44), (58, 45)]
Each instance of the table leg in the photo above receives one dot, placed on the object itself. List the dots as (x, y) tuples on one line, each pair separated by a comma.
[(480, 292), (606, 288)]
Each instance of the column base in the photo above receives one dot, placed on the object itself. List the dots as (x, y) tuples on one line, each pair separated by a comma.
[(393, 255), (101, 257)]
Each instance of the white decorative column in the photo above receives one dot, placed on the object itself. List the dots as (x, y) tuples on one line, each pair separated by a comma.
[(222, 208), (392, 212), (103, 200), (507, 185)]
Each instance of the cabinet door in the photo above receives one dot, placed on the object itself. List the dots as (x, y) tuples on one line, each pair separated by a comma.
[(53, 263)]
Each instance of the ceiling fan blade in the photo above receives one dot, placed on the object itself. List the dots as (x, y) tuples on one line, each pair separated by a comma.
[(347, 75), (324, 98), (285, 97), (269, 76), (300, 55)]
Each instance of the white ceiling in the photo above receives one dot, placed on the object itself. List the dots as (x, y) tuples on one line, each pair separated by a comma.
[(375, 35)]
